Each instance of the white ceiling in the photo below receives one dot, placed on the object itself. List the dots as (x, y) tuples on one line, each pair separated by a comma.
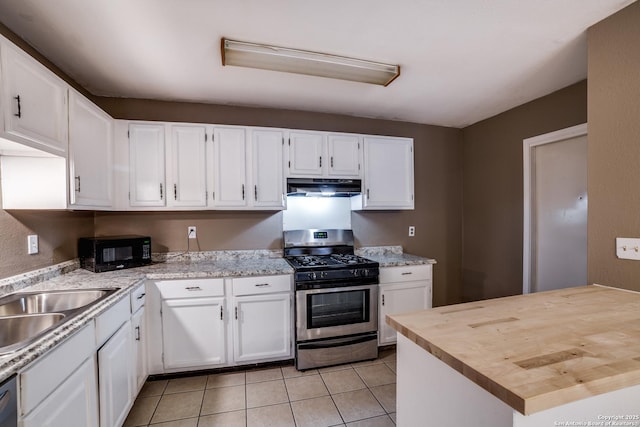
[(461, 60)]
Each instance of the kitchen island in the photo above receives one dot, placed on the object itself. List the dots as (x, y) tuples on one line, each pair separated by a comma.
[(558, 358)]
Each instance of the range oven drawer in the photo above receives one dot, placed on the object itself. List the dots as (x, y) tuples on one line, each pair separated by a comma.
[(316, 354)]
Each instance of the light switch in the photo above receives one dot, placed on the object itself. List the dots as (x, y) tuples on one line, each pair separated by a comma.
[(627, 248), (32, 244)]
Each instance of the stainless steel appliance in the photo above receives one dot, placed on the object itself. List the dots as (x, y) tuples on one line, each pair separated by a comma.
[(109, 253), (336, 298), (8, 403)]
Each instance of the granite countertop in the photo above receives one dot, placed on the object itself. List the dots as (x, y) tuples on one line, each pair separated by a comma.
[(167, 266), (536, 351)]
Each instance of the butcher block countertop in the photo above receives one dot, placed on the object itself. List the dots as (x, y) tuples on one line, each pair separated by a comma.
[(536, 351)]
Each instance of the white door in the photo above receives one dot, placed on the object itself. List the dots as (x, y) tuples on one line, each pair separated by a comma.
[(266, 148), (146, 165), (230, 167), (344, 155), (115, 377), (558, 213), (189, 165), (306, 150), (193, 332), (262, 326), (400, 298), (90, 153)]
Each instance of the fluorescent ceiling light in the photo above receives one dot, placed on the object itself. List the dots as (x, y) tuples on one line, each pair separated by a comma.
[(275, 58)]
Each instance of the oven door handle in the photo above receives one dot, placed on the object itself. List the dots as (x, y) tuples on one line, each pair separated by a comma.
[(337, 342)]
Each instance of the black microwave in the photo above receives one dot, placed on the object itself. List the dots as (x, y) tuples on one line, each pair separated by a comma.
[(109, 253)]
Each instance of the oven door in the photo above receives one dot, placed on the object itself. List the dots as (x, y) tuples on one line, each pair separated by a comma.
[(336, 312)]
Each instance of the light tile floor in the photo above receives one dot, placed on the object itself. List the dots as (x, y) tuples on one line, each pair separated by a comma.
[(359, 394)]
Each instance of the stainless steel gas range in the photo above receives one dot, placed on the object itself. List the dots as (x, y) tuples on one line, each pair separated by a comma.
[(336, 298)]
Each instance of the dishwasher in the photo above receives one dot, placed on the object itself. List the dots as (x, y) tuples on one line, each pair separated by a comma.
[(8, 403)]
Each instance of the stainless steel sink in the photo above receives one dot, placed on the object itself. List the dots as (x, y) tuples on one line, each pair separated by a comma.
[(49, 301), (19, 331), (26, 316)]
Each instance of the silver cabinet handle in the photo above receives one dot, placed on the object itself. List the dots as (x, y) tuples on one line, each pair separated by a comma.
[(332, 161), (221, 313), (193, 288), (77, 178), (407, 273), (137, 333), (261, 285), (320, 161), (367, 194), (236, 313), (242, 191), (140, 296), (175, 191), (255, 192), (161, 192), (382, 299), (19, 113)]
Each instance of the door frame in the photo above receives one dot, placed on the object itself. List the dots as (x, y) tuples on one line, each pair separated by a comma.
[(528, 145)]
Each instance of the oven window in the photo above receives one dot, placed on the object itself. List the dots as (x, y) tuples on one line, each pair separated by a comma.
[(337, 308)]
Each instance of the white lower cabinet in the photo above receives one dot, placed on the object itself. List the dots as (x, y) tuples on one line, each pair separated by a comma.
[(402, 289), (59, 389), (193, 332), (115, 377), (72, 404), (209, 323), (262, 318)]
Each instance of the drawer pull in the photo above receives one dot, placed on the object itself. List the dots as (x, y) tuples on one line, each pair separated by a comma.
[(261, 285), (193, 288), (407, 273), (140, 296)]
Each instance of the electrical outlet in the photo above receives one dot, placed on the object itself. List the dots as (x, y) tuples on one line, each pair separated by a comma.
[(191, 231), (32, 244), (412, 231)]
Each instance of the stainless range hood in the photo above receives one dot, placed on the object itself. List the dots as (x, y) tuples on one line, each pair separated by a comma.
[(323, 187)]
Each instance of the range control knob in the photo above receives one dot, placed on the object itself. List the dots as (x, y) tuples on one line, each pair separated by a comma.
[(312, 275)]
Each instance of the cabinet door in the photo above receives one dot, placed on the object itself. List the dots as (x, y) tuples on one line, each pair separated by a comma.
[(388, 173), (266, 149), (230, 151), (138, 326), (72, 404), (344, 155), (306, 151), (396, 299), (115, 377), (34, 102), (189, 166), (193, 332), (90, 154), (262, 327), (146, 165)]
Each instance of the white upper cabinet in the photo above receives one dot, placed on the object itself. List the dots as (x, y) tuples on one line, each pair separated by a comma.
[(34, 102), (318, 154), (189, 166), (388, 174), (306, 152), (266, 169), (90, 154), (230, 167), (147, 185), (344, 155)]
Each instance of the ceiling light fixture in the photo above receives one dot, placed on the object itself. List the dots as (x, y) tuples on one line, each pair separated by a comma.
[(275, 58)]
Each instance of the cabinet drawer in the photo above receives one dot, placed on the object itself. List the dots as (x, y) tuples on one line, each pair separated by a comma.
[(261, 285), (194, 288), (408, 273), (109, 321), (137, 298), (49, 371)]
